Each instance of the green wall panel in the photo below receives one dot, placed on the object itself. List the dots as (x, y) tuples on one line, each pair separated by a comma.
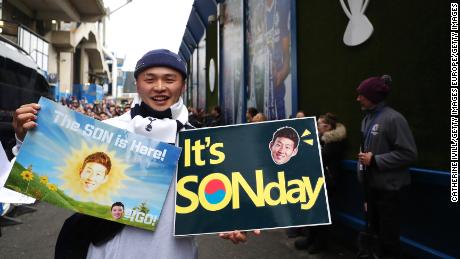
[(410, 42)]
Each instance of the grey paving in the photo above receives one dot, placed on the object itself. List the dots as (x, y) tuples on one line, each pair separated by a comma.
[(36, 238), (271, 244)]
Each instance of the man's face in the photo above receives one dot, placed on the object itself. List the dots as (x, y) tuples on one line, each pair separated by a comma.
[(92, 176), (282, 149), (117, 212), (160, 87), (365, 103)]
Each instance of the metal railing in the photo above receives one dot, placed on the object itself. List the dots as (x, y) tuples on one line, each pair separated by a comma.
[(35, 45)]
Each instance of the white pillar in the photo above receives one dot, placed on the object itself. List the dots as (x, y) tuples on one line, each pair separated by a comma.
[(66, 71), (84, 66)]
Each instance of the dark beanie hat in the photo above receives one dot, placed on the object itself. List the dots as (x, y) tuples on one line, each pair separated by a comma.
[(161, 58), (375, 88)]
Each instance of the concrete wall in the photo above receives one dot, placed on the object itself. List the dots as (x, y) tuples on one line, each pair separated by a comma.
[(84, 67), (52, 57)]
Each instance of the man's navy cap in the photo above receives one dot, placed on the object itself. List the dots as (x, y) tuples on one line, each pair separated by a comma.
[(161, 58)]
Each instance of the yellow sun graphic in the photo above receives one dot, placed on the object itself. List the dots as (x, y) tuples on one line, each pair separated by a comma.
[(70, 174), (27, 175)]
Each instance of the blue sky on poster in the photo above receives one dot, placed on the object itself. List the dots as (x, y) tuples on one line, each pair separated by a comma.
[(143, 25)]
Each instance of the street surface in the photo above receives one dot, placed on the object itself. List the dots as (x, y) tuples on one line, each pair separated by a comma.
[(36, 236)]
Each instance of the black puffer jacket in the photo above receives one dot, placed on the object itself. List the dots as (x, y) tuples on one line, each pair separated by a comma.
[(333, 146)]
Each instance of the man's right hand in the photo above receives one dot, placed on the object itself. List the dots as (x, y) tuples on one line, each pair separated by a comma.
[(24, 119)]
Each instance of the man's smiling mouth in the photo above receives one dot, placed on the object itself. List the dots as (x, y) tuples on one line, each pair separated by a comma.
[(160, 98)]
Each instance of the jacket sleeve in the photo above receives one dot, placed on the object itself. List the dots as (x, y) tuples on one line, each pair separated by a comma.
[(18, 145), (403, 151), (79, 231)]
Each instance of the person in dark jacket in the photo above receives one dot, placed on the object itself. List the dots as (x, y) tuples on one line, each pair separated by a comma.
[(216, 117), (332, 136), (387, 150), (193, 117)]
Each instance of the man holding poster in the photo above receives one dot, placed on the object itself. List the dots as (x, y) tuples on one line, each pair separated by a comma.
[(158, 113)]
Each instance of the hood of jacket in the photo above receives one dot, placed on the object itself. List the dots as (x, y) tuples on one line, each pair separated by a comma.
[(335, 135)]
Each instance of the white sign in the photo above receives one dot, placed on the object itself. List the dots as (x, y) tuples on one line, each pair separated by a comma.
[(212, 75)]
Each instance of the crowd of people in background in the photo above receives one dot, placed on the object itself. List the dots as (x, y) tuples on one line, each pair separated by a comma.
[(100, 110), (199, 118), (108, 108)]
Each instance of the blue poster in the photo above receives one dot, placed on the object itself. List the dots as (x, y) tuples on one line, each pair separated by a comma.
[(75, 162)]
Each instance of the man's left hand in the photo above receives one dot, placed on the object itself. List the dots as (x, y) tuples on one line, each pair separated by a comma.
[(365, 158)]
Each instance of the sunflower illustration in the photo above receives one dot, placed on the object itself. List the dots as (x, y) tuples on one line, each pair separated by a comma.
[(43, 179), (27, 175), (51, 187)]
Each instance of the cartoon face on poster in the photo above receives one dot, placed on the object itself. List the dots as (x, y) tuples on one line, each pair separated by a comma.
[(76, 162), (250, 176), (284, 145)]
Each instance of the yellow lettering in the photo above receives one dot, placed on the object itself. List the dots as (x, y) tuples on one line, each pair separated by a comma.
[(238, 180), (281, 186), (312, 195), (187, 194), (219, 154), (301, 197), (295, 191), (187, 153), (197, 147)]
